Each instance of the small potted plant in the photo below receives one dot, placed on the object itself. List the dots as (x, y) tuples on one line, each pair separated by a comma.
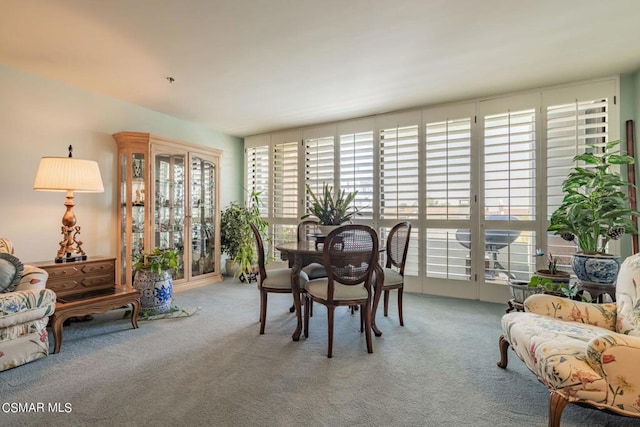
[(236, 237), (153, 278), (329, 210), (552, 272), (595, 210)]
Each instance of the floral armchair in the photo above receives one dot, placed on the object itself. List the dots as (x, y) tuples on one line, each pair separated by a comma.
[(584, 353), (25, 307)]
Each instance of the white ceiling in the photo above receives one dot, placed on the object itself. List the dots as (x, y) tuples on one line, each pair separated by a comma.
[(250, 66)]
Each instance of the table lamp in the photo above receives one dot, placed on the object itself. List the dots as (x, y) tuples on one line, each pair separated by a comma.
[(69, 174)]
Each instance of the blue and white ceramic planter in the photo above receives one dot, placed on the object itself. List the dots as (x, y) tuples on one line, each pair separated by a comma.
[(156, 290), (602, 269)]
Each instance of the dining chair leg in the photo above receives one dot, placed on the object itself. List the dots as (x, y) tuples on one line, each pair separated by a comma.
[(263, 310), (293, 308), (366, 308), (330, 310), (386, 302), (400, 306), (307, 309), (361, 321)]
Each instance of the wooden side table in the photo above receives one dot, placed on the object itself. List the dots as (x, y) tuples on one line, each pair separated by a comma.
[(92, 303), (598, 290), (86, 287)]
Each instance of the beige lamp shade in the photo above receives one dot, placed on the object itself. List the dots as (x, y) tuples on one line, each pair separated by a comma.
[(68, 174)]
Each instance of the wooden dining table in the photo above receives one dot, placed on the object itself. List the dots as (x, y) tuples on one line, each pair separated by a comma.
[(303, 253)]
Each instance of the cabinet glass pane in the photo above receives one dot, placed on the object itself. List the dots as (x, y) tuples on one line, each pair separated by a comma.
[(123, 216), (138, 194), (203, 211), (169, 207), (132, 194)]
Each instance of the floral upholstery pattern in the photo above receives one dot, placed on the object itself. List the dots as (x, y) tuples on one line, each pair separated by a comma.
[(583, 352), (24, 314)]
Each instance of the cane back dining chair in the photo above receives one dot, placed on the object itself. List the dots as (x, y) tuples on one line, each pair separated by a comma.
[(306, 229), (396, 254), (271, 281), (350, 255)]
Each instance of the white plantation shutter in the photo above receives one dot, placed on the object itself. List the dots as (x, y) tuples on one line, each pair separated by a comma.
[(356, 169), (399, 172), (509, 164), (508, 238), (492, 168), (570, 128), (285, 180), (448, 169), (445, 256), (319, 161), (448, 189), (257, 176), (285, 194)]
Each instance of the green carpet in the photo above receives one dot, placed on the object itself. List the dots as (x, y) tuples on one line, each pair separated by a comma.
[(213, 368)]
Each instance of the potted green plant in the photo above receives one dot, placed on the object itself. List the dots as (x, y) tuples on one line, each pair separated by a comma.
[(548, 286), (521, 289), (595, 210), (329, 210), (552, 271), (153, 278), (236, 237)]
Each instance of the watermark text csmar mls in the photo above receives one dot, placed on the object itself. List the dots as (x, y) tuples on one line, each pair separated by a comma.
[(35, 407)]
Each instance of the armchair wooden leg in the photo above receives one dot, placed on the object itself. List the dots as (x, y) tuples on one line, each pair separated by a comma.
[(557, 404), (504, 346), (263, 310)]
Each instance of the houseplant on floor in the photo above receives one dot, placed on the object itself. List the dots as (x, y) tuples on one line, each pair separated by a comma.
[(331, 211), (153, 278), (595, 209), (236, 237)]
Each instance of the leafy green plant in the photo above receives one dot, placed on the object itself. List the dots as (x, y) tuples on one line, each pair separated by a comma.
[(549, 286), (595, 207), (331, 210), (236, 237), (156, 261), (552, 263)]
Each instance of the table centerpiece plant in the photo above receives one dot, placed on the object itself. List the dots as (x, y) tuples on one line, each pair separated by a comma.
[(331, 211), (595, 210)]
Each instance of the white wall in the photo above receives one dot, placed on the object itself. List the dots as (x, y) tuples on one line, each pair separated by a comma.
[(40, 117)]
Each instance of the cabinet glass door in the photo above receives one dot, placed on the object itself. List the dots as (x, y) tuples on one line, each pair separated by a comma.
[(203, 216), (132, 202), (169, 212)]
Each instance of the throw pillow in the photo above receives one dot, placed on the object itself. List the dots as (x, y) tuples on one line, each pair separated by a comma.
[(10, 272)]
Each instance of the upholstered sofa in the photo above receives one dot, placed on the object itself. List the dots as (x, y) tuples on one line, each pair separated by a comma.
[(25, 307), (588, 354)]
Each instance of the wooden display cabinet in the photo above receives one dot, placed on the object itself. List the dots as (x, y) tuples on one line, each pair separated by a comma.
[(169, 198)]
